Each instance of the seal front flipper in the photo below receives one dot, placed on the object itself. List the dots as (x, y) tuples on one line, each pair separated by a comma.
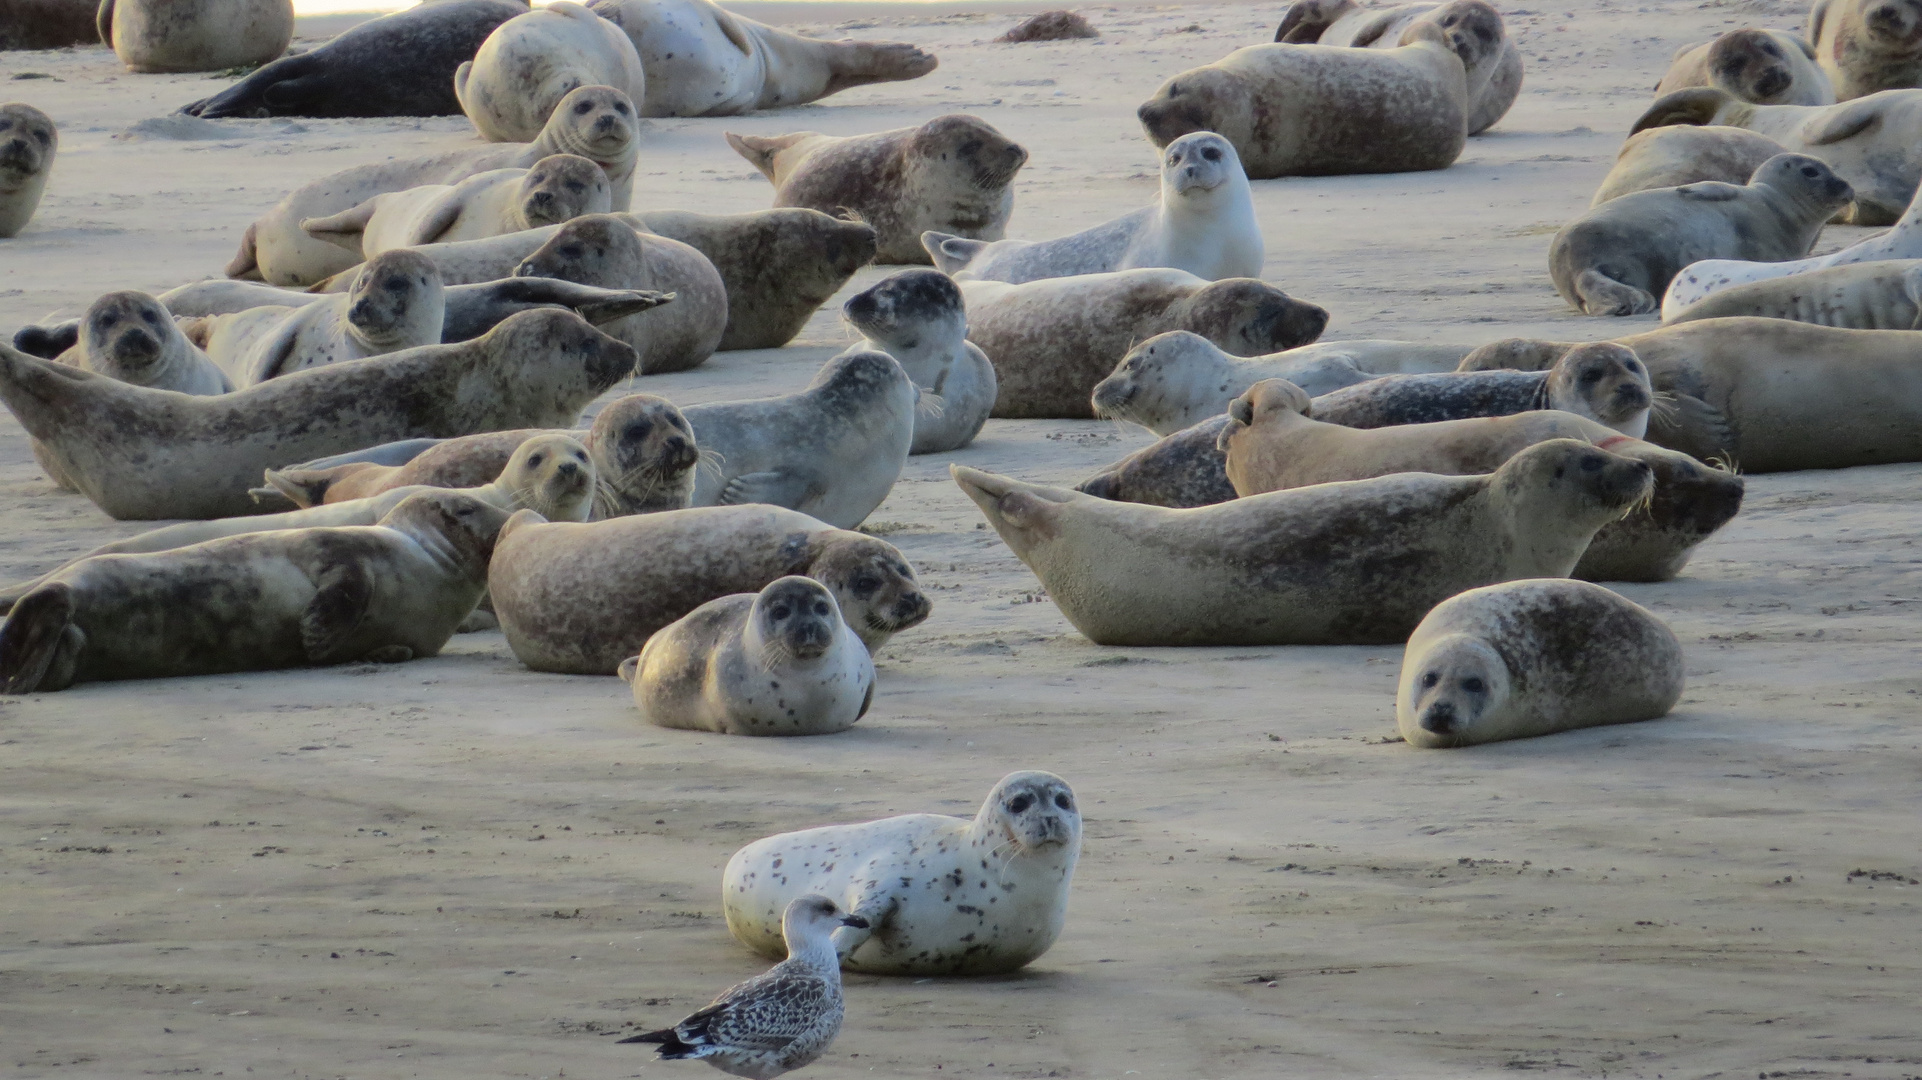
[(773, 488), (1696, 428), (47, 342), (1603, 295), (1710, 191), (39, 646), (875, 904), (343, 592), (1843, 121)]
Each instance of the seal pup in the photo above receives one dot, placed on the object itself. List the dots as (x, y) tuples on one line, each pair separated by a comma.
[(518, 77), (1494, 77), (1868, 45), (204, 35), (1601, 381), (1766, 67), (292, 598), (702, 60), (1854, 296), (1307, 566), (1186, 468), (952, 174), (1671, 156), (776, 1022), (1054, 339), (1204, 223), (140, 453), (777, 662), (942, 895), (1618, 257), (28, 141), (1173, 381), (1528, 658), (918, 317), (129, 336), (1874, 143), (1903, 240), (401, 64), (47, 24), (595, 122), (579, 599), (1315, 110), (832, 451), (558, 188)]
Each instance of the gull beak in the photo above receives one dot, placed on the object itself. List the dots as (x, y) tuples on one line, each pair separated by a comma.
[(855, 921)]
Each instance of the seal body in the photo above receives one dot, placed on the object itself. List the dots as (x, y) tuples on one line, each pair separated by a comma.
[(129, 336), (777, 662), (1603, 382), (1664, 157), (555, 189), (1491, 60), (1868, 45), (1903, 240), (951, 175), (1053, 339), (1765, 67), (529, 63), (1619, 256), (1317, 110), (1854, 296), (1183, 469), (28, 142), (1308, 566), (918, 317), (291, 598), (702, 60), (1204, 224), (942, 895), (201, 35), (604, 250), (580, 599), (1528, 658)]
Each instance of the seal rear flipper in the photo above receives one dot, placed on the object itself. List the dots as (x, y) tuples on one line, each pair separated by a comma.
[(342, 594), (631, 666), (37, 652), (47, 342), (343, 229), (772, 488), (759, 150), (1696, 105), (1603, 295), (246, 263), (950, 253)]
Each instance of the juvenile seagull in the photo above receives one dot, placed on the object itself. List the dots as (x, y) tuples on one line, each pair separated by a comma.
[(778, 1021)]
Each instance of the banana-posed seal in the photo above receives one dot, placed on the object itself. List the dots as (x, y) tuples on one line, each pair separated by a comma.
[(604, 250), (941, 895), (201, 35), (130, 336), (1053, 339), (1874, 143), (1678, 154), (778, 662), (918, 317), (1316, 110), (1528, 658), (595, 122), (140, 453), (28, 141), (579, 599), (1602, 381), (702, 60), (1173, 381), (291, 598), (1868, 45), (1765, 67), (1308, 566), (1698, 280), (1204, 223), (1492, 61), (951, 174), (557, 188), (1854, 296), (520, 74), (400, 64), (1618, 257)]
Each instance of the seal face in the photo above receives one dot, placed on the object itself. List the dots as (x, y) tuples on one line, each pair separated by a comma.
[(1602, 381), (1529, 658), (520, 74), (1867, 45), (28, 141), (1766, 67), (918, 317), (941, 895), (129, 336)]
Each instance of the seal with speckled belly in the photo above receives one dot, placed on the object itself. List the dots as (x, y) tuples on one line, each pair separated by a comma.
[(1903, 240), (555, 189), (942, 895), (28, 141), (1767, 67), (1868, 45), (951, 175), (917, 317), (1680, 154), (1352, 563), (520, 74), (292, 598), (1491, 61), (1603, 382), (1528, 658), (778, 662), (1854, 296), (579, 599), (195, 35)]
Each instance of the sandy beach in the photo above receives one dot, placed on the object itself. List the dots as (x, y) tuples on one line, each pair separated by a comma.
[(459, 868)]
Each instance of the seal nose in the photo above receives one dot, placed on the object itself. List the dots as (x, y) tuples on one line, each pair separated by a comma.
[(911, 609), (526, 269), (137, 343), (1772, 82), (1440, 718), (681, 454), (542, 198), (567, 468)]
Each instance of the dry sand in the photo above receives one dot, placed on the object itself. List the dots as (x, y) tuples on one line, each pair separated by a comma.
[(457, 868)]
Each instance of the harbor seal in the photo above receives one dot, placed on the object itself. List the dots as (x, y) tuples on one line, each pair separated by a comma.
[(832, 451), (28, 142), (401, 64), (129, 336), (518, 77), (1494, 78), (595, 122), (1874, 143), (952, 174), (1315, 110), (702, 60), (1601, 381), (1204, 223), (579, 599), (1174, 381), (1618, 257), (1868, 45), (941, 895), (293, 598), (1671, 156), (1308, 566), (204, 35), (777, 662), (1854, 296), (557, 188), (1052, 340), (1183, 469), (1528, 658), (1765, 67), (917, 317), (143, 454)]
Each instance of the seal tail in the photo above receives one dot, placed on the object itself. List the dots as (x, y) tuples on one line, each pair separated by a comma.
[(246, 263)]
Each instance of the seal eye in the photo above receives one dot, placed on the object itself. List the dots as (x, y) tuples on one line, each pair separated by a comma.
[(535, 461), (1429, 680), (150, 317), (583, 108), (1592, 464), (1211, 154), (1064, 802), (866, 584), (970, 148), (779, 611), (1173, 89), (620, 107), (1474, 685), (1019, 804), (1809, 171), (395, 285)]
